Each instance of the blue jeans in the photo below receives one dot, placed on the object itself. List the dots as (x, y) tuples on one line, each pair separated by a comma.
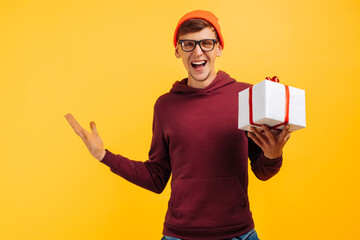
[(251, 235)]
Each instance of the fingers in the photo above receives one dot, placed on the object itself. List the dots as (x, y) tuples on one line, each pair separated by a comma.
[(286, 138), (75, 125), (255, 139), (269, 134), (264, 135), (258, 136), (93, 128), (271, 143), (259, 133), (284, 132)]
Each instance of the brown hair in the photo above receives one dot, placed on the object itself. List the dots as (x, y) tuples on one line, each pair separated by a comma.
[(195, 25)]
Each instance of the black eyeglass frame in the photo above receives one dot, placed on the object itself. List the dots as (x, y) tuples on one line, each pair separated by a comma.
[(198, 43)]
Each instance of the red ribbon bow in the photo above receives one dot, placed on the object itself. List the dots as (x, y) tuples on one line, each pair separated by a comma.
[(274, 79), (287, 103)]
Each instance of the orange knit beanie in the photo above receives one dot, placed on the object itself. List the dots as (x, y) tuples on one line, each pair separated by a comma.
[(206, 15)]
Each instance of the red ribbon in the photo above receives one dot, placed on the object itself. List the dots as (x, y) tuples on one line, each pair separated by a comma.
[(274, 79), (287, 103)]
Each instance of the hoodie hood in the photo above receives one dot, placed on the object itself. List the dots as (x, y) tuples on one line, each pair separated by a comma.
[(222, 79)]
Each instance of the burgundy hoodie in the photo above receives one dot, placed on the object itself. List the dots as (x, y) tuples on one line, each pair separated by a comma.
[(195, 137)]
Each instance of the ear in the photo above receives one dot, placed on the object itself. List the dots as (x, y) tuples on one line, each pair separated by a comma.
[(218, 50), (177, 54)]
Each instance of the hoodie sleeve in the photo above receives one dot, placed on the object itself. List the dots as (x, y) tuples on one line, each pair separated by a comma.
[(152, 174), (263, 167)]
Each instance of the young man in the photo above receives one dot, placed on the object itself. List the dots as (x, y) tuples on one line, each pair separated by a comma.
[(196, 139)]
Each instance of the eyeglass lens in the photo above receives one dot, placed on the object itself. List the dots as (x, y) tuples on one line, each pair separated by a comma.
[(205, 45)]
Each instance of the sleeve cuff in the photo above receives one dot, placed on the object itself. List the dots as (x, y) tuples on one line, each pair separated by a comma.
[(273, 161), (110, 159)]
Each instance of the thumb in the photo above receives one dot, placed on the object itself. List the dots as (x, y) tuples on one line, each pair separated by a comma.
[(93, 128)]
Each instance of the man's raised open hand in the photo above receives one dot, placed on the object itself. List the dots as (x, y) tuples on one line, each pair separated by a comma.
[(92, 140)]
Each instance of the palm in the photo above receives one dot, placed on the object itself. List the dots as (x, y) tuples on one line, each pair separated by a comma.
[(92, 141)]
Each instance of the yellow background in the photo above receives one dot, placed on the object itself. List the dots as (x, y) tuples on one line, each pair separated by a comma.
[(108, 61)]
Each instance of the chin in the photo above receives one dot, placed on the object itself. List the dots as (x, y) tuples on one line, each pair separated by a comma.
[(200, 77)]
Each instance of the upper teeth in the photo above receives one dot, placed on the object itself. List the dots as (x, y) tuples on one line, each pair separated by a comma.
[(199, 63)]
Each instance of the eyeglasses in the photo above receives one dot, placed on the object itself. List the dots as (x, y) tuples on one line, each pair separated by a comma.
[(189, 45)]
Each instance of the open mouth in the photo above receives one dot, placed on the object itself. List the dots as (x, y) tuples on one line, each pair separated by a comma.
[(198, 64)]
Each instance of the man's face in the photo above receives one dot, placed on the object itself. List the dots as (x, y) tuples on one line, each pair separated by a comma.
[(199, 74)]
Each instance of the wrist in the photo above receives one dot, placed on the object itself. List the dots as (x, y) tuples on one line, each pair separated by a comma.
[(272, 156), (102, 155)]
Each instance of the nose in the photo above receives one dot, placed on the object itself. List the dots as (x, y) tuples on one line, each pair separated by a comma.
[(198, 50)]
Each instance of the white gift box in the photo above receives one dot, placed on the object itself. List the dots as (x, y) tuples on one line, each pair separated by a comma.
[(272, 104)]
